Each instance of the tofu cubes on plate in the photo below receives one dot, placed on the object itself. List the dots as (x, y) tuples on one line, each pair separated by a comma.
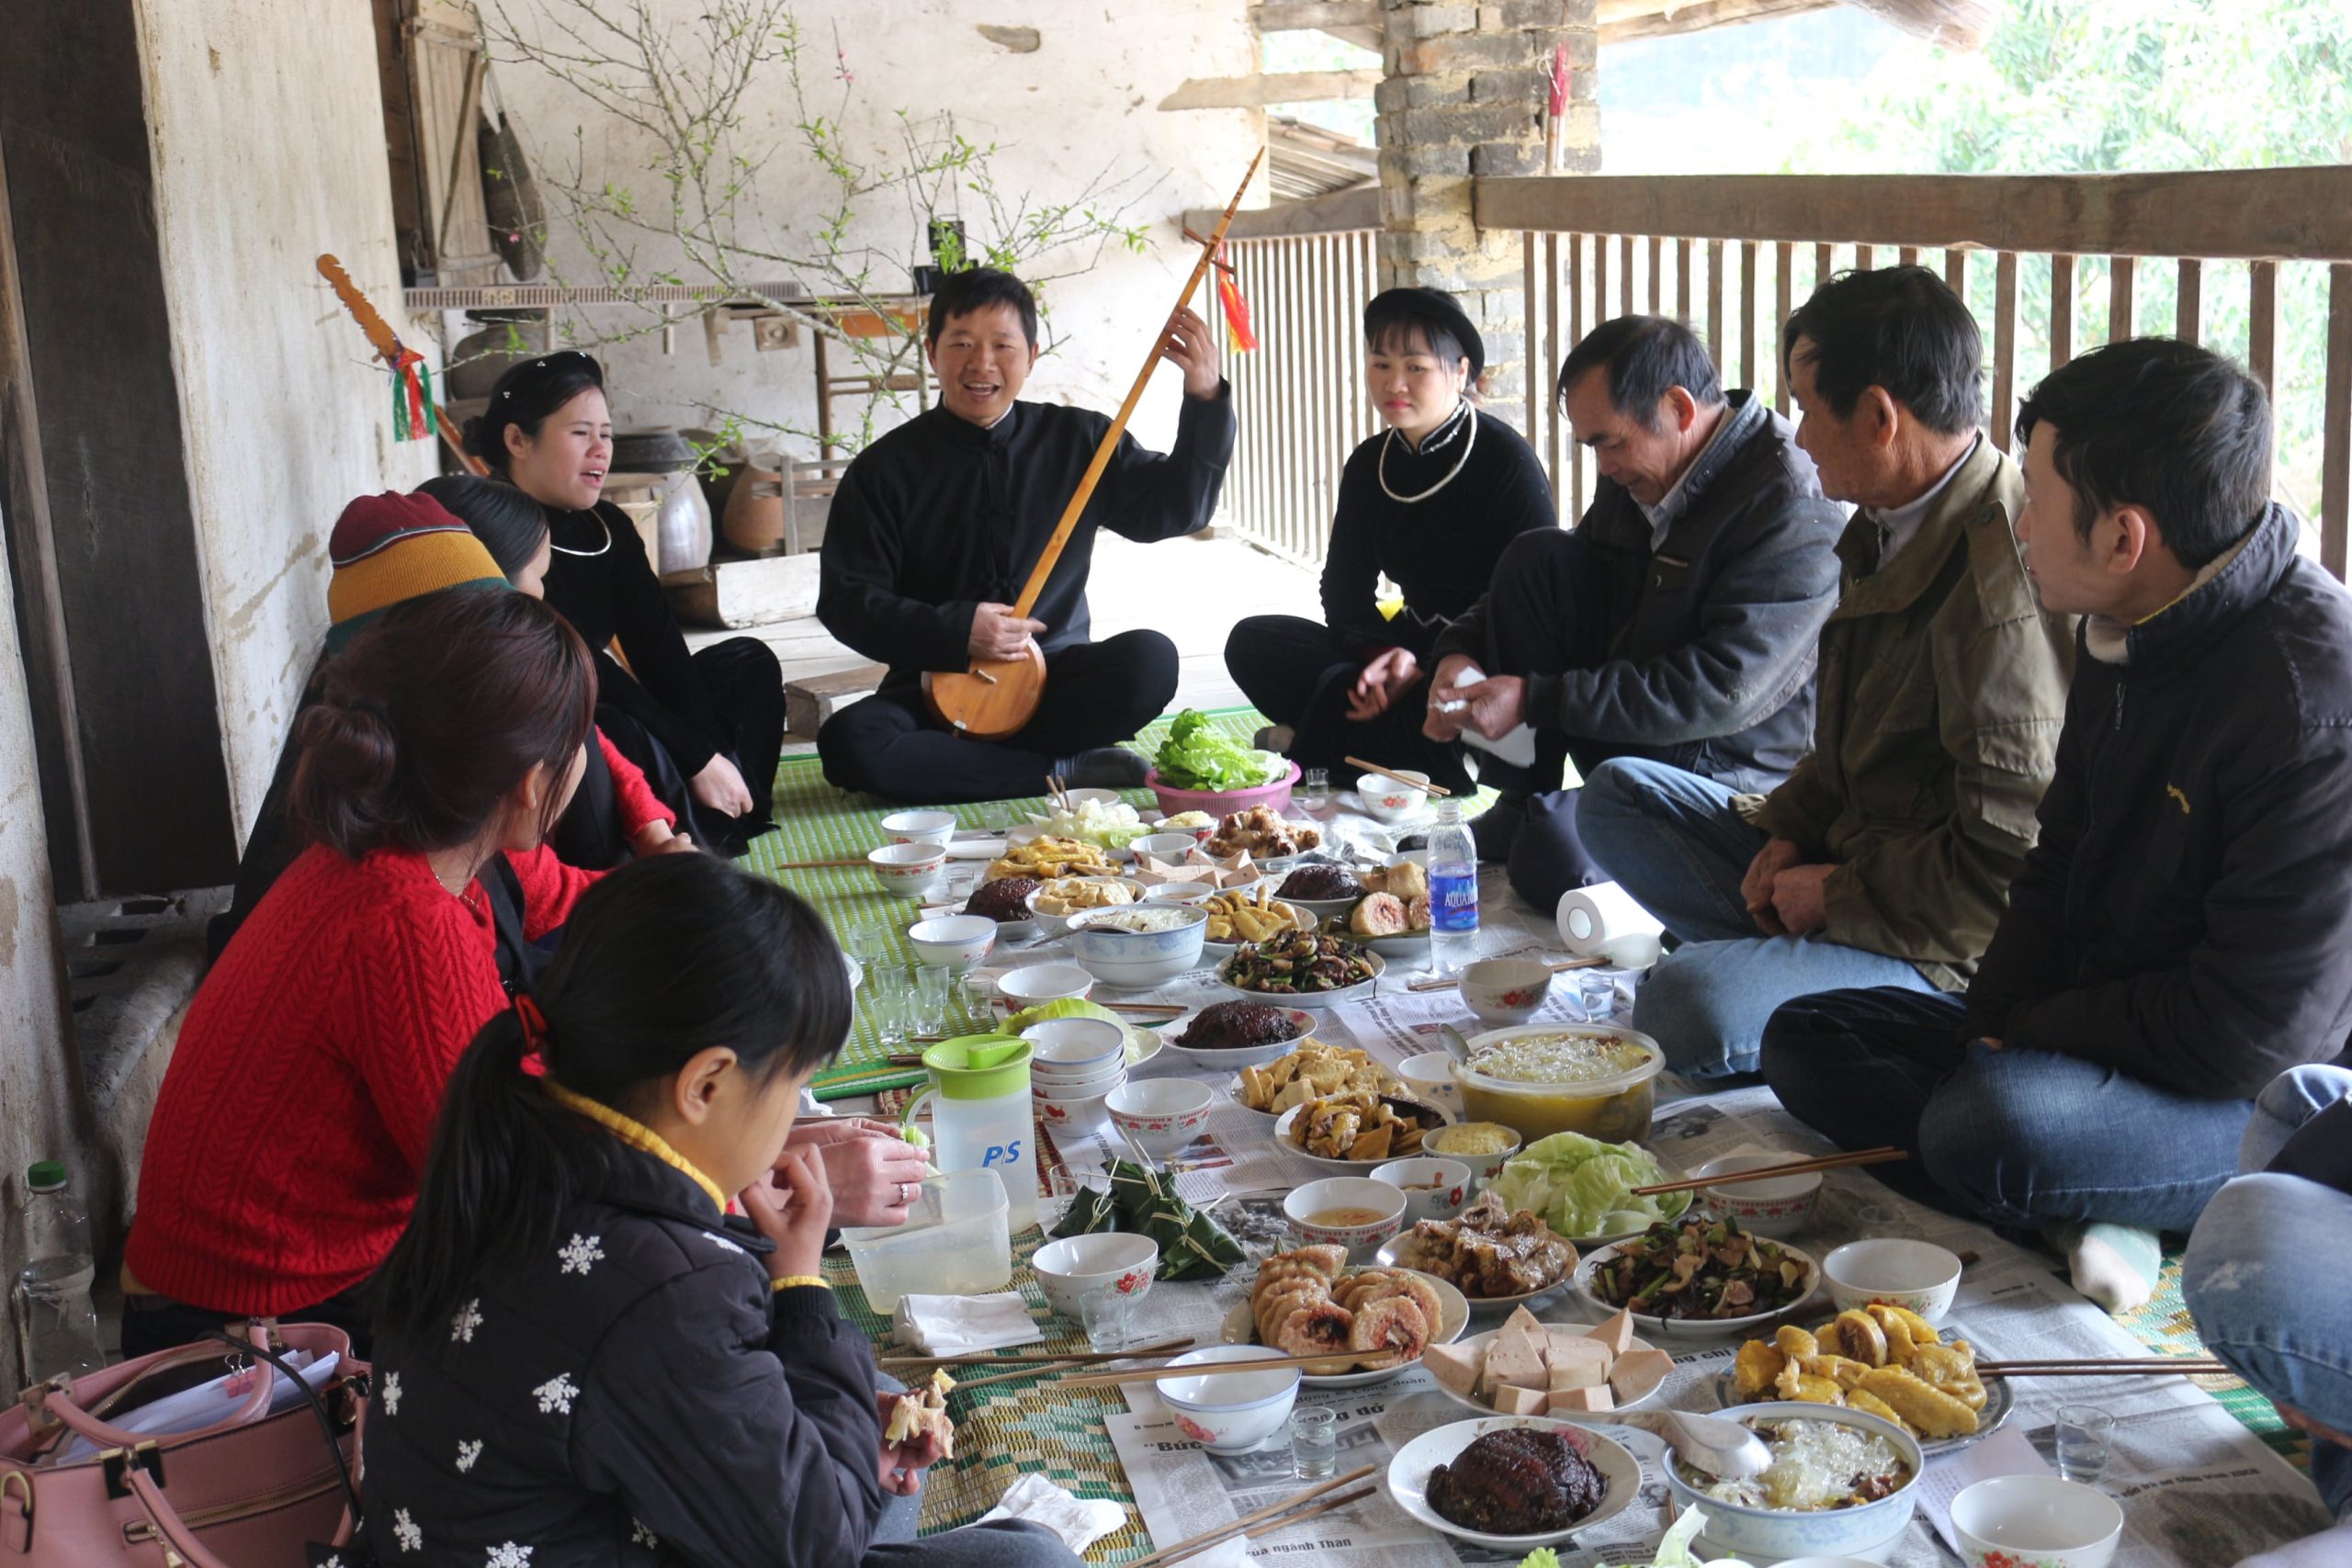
[(1528, 1368)]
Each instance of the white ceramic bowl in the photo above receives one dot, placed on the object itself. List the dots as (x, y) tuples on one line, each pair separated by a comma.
[(1769, 1534), (1079, 797), (909, 870), (1041, 982), (1109, 1263), (1896, 1271), (1409, 1478), (1504, 991), (1286, 1138), (1483, 1167), (1388, 801), (1078, 1113), (1164, 846), (2037, 1519), (1094, 1086), (1429, 1078), (1161, 1114), (1067, 1050), (1337, 1192), (1229, 1411), (933, 828), (1433, 1189), (1776, 1208), (952, 941), (1055, 925), (1138, 960)]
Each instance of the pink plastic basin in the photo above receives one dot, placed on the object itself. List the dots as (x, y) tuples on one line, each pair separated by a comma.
[(1220, 803)]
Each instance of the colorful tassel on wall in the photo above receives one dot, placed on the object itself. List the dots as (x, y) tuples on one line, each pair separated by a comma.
[(413, 409), (1240, 335)]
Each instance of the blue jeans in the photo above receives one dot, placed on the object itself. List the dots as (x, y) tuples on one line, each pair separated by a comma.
[(2270, 1284), (1671, 840), (2019, 1138)]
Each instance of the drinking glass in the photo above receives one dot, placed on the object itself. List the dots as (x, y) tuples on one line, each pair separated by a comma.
[(930, 991), (1107, 1315), (886, 1006), (1597, 994), (997, 817), (2086, 1437), (869, 944), (971, 999), (1315, 791), (1314, 1441)]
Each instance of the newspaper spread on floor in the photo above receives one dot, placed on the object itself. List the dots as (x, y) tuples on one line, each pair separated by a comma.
[(2196, 1486)]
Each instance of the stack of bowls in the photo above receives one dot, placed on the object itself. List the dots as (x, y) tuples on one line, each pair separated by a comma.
[(1074, 1064), (932, 828)]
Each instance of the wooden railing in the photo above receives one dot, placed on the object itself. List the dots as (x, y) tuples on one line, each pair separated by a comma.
[(2256, 264)]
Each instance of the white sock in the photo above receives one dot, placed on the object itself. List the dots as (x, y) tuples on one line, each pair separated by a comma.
[(2115, 1266), (2329, 1549)]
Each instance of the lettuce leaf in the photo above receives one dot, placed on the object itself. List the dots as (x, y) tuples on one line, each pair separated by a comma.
[(1580, 1187), (1198, 756)]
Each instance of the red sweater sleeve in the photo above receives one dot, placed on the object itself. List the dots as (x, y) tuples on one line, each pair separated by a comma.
[(549, 889), (632, 796)]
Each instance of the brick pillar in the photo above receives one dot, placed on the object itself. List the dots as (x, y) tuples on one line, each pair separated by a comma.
[(1464, 97)]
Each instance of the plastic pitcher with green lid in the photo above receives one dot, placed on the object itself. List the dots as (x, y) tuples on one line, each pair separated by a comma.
[(980, 1114)]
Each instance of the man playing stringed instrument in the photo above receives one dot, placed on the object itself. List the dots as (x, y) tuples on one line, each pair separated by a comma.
[(939, 522)]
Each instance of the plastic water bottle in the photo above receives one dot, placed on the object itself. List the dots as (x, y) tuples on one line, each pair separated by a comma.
[(55, 1321), (1453, 891)]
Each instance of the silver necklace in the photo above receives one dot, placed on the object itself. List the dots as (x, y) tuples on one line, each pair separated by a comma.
[(599, 550), (1469, 442)]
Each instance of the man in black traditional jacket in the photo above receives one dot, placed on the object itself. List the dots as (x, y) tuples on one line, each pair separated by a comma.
[(938, 524), (2182, 931)]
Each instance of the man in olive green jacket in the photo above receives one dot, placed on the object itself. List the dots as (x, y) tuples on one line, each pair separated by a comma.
[(1885, 858)]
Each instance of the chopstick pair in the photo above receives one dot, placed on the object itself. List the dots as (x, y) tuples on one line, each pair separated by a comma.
[(1041, 1358), (1422, 784), (1768, 1172), (2095, 1366), (1265, 1520), (1058, 792), (1447, 982), (1162, 1373)]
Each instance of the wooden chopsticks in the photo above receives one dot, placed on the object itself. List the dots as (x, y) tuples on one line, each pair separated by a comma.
[(1273, 1517), (817, 864), (1211, 1369), (1041, 1358), (2095, 1366), (1422, 784), (1058, 792), (1447, 982), (1769, 1172)]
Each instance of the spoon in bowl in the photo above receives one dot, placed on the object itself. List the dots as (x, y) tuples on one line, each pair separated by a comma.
[(1706, 1442)]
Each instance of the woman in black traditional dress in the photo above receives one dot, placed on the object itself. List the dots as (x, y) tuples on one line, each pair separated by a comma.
[(714, 719), (1429, 503)]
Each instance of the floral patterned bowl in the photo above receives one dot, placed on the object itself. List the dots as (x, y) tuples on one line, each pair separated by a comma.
[(1161, 1114), (1078, 1267), (1504, 991), (1777, 1207), (2036, 1521), (1433, 1189), (1221, 1405), (1310, 1210), (1918, 1276)]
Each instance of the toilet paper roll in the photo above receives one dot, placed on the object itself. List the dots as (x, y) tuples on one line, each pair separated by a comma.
[(1603, 921)]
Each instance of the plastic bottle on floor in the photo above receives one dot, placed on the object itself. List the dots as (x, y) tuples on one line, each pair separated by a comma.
[(1453, 891), (55, 1321)]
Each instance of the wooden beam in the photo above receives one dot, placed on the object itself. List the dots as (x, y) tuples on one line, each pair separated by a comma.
[(2226, 214), (1321, 17), (1271, 87), (1954, 24), (1630, 21), (2261, 322), (2336, 430), (1339, 213)]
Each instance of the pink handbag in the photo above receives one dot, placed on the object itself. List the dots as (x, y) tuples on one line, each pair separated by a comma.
[(252, 1491)]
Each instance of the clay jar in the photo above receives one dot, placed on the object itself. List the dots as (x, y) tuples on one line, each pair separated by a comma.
[(754, 519)]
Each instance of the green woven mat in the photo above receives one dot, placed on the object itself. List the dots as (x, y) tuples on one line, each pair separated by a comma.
[(815, 821), (1020, 1426), (2165, 1326)]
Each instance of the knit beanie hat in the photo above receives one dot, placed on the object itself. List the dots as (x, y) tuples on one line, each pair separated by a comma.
[(389, 547)]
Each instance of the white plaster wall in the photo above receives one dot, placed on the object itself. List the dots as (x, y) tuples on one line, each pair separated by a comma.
[(267, 134), (1086, 98), (36, 1062)]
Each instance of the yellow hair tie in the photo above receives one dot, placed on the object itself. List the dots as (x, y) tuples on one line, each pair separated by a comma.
[(790, 1281)]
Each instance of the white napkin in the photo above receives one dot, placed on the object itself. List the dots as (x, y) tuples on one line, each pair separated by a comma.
[(1080, 1522), (952, 1326)]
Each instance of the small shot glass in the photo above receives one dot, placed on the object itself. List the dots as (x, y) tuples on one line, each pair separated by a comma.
[(1314, 1441), (1315, 790), (1597, 994), (2086, 1441), (1107, 1317)]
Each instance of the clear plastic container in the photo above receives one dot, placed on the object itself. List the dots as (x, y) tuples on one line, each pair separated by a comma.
[(957, 1241), (1616, 1108)]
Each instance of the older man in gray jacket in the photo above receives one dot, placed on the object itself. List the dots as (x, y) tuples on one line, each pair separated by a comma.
[(1676, 623)]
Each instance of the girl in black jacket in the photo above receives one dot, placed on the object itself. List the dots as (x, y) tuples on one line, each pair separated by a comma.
[(579, 1358)]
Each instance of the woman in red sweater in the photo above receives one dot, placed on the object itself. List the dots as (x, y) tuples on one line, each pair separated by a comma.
[(283, 1156)]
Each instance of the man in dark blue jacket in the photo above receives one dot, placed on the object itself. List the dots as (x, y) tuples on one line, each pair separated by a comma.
[(2182, 931), (1675, 623)]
